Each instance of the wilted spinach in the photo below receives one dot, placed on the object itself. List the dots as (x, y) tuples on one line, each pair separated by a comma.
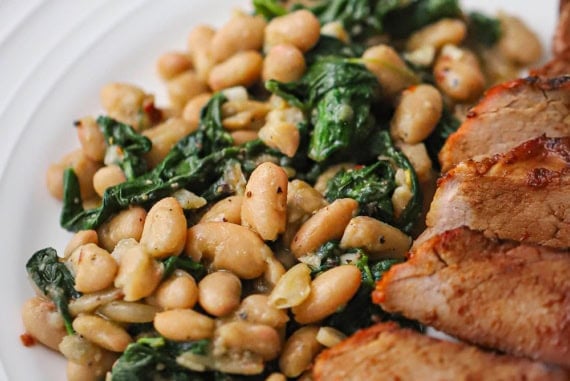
[(338, 94), (129, 146), (155, 358), (196, 269), (399, 18), (483, 29), (373, 185), (55, 280), (409, 16), (268, 8), (329, 46)]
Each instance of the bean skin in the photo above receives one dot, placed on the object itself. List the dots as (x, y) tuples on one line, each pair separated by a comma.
[(264, 206), (230, 247), (329, 291), (326, 224), (184, 325)]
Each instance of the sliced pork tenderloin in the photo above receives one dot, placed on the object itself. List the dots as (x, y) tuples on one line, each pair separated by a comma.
[(523, 195), (498, 294), (387, 352), (508, 115)]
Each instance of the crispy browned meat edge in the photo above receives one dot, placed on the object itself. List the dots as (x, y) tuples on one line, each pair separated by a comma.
[(537, 82)]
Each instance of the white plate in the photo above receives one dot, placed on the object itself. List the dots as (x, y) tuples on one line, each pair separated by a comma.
[(54, 58)]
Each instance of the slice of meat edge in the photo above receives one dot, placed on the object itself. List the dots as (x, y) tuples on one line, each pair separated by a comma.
[(560, 63), (387, 352), (508, 115), (523, 195), (504, 295)]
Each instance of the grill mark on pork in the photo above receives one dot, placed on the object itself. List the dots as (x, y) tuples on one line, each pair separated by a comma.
[(522, 195), (508, 115), (498, 294), (388, 352)]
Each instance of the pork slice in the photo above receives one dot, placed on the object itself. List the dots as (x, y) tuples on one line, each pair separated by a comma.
[(386, 352), (523, 195), (498, 294), (508, 115)]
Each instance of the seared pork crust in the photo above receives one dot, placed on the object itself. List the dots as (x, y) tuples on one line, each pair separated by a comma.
[(504, 295), (508, 115), (523, 195), (387, 352)]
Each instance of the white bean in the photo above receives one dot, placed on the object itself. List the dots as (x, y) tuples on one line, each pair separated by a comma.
[(242, 32), (171, 64), (139, 274), (284, 63), (219, 293), (299, 351), (128, 223), (325, 225), (184, 87), (300, 29), (184, 325), (82, 237), (458, 74), (94, 268), (84, 169), (417, 114), (242, 69), (104, 333), (128, 312), (164, 136), (264, 207), (390, 70), (518, 43), (329, 291), (293, 287), (178, 291), (230, 247), (107, 177), (164, 232), (377, 238), (43, 322), (91, 137), (225, 210), (257, 309), (243, 336), (438, 34)]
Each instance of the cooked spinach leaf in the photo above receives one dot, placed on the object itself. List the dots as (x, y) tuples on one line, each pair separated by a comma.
[(483, 29), (268, 8), (379, 268), (409, 16), (196, 269), (195, 163), (399, 18), (155, 358), (125, 146), (337, 93), (55, 280), (329, 46), (373, 185), (360, 312)]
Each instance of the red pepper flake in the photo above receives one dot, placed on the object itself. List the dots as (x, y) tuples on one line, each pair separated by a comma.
[(154, 114), (27, 339)]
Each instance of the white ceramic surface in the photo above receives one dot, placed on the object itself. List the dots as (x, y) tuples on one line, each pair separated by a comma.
[(54, 57)]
